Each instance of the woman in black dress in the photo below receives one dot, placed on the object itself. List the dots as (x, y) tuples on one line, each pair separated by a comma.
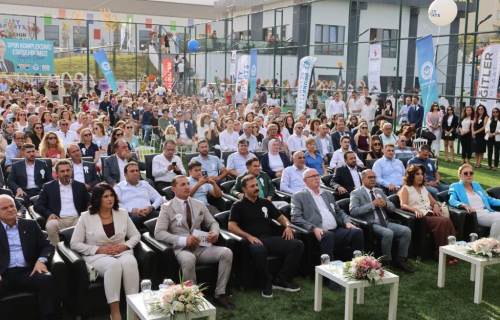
[(478, 133), (465, 133), (449, 126), (493, 131)]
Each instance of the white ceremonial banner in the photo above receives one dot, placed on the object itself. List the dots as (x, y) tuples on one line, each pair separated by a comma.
[(489, 73), (305, 71), (374, 67), (243, 74), (232, 66)]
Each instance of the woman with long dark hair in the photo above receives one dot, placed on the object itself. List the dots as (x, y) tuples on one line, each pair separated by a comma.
[(465, 133), (478, 133), (376, 151), (36, 136), (449, 126), (493, 138), (105, 236)]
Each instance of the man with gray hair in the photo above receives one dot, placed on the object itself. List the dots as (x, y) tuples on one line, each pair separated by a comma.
[(296, 141), (292, 177), (248, 136), (387, 136), (370, 204), (316, 211)]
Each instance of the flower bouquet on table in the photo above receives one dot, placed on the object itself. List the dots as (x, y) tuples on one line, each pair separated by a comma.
[(365, 267), (183, 298), (485, 247)]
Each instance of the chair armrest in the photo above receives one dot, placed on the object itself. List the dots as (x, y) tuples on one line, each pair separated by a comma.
[(360, 223), (153, 243), (282, 196), (146, 259), (59, 271), (298, 229), (68, 255), (230, 236), (77, 268), (399, 213), (36, 216), (229, 197)]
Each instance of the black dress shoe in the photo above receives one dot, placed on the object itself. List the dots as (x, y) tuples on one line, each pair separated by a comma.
[(403, 265), (223, 301)]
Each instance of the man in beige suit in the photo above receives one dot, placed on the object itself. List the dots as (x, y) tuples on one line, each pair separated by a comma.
[(179, 220)]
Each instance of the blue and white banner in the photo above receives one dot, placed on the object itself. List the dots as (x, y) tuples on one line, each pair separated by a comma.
[(26, 56), (102, 61), (487, 83), (243, 73), (305, 71), (253, 73), (427, 72)]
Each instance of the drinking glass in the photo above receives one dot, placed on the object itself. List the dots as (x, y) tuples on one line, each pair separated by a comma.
[(357, 253), (473, 237), (452, 240), (325, 259)]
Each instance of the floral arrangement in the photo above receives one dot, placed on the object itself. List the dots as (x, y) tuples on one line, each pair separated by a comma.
[(485, 247), (180, 298), (365, 267)]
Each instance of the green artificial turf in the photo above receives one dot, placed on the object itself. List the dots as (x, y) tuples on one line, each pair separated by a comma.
[(419, 299)]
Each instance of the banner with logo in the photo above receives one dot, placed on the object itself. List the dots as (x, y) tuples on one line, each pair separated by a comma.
[(26, 56), (487, 83), (426, 72), (232, 66), (253, 73), (305, 71), (374, 67), (102, 61), (167, 70), (243, 73)]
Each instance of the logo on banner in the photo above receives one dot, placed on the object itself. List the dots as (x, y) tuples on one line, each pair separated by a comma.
[(427, 70), (105, 66)]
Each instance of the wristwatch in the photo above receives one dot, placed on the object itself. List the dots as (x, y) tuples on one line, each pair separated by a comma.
[(42, 260)]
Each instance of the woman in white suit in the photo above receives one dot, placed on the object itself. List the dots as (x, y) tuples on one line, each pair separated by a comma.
[(100, 236)]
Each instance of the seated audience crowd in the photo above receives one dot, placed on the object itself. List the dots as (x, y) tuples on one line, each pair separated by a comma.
[(284, 186)]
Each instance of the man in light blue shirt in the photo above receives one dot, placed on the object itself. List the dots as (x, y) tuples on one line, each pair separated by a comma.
[(201, 186), (237, 162), (137, 196), (292, 180), (13, 150), (389, 171), (211, 164)]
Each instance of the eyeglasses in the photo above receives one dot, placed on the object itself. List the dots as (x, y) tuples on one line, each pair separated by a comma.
[(402, 140), (468, 173), (313, 176), (87, 135), (376, 144), (63, 124), (130, 127), (364, 127), (118, 134), (51, 138), (38, 127)]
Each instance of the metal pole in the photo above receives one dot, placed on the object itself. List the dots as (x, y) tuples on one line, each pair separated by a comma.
[(159, 54), (399, 84), (185, 62), (474, 59), (88, 56), (281, 58), (136, 54), (206, 53), (225, 53), (464, 54), (248, 32), (347, 60), (274, 50)]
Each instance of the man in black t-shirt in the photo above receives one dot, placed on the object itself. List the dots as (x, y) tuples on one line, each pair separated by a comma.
[(251, 218)]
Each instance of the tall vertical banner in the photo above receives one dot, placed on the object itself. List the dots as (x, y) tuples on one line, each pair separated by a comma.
[(102, 61), (427, 72), (232, 67), (306, 66), (487, 83), (253, 73), (243, 73), (167, 70), (374, 67)]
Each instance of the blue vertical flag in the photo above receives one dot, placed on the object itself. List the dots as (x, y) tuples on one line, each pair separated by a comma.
[(253, 73), (102, 61), (426, 72)]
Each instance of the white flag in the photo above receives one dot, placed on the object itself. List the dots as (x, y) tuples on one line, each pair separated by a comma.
[(489, 73), (374, 67)]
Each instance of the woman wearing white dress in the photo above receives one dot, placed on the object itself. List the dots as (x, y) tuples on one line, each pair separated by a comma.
[(433, 119)]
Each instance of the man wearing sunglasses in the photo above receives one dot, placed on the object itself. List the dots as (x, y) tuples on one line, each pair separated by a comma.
[(67, 136)]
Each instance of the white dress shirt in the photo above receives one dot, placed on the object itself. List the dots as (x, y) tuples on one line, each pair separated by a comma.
[(228, 141), (324, 144), (139, 196), (237, 162), (78, 174), (182, 240), (333, 107), (252, 142), (30, 176), (292, 180), (338, 159), (68, 137), (121, 166), (355, 177), (296, 143), (160, 168), (329, 222), (68, 208)]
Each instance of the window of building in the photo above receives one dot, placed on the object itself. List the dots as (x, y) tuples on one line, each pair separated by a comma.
[(272, 30), (79, 37), (329, 40), (52, 34), (389, 48), (144, 39)]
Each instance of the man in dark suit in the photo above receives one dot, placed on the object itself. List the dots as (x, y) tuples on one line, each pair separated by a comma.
[(27, 177), (114, 166), (416, 114), (62, 201), (83, 171), (185, 129), (5, 65), (340, 131), (346, 177), (24, 253)]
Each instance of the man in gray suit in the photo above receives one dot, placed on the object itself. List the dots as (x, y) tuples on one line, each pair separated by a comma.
[(178, 225), (371, 204), (114, 165), (316, 211)]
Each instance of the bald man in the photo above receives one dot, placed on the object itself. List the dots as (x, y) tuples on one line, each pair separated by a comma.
[(23, 259), (292, 177)]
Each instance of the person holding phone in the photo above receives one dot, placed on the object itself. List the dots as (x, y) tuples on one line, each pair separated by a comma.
[(166, 166), (202, 186)]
